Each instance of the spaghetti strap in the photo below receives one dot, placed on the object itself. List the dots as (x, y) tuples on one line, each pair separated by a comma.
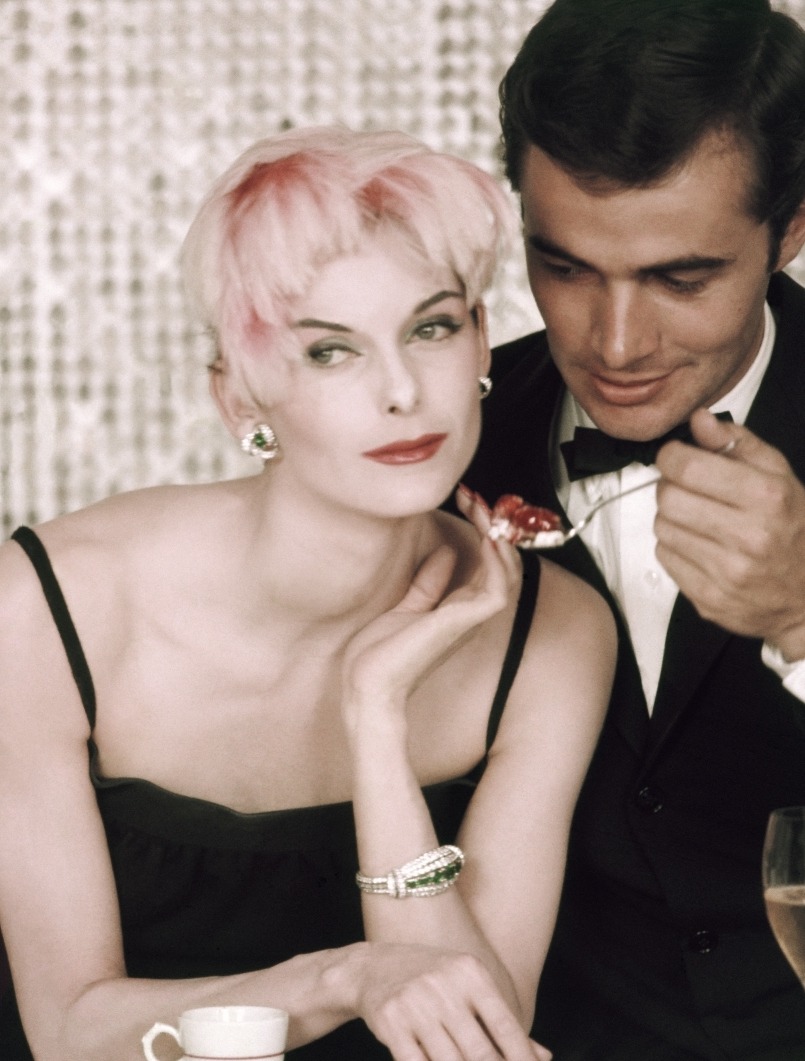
[(35, 550), (514, 653)]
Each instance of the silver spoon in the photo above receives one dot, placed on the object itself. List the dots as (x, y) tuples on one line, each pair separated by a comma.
[(561, 537), (544, 530), (554, 536)]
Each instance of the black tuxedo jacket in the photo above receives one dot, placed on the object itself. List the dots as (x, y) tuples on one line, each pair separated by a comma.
[(662, 951)]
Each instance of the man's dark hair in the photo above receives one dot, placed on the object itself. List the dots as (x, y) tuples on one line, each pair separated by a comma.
[(622, 91)]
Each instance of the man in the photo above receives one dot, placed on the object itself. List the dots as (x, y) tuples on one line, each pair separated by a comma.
[(658, 147)]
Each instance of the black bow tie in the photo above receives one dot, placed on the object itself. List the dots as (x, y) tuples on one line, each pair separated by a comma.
[(591, 452)]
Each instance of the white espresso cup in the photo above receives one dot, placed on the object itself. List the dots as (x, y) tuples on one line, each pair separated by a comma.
[(232, 1033)]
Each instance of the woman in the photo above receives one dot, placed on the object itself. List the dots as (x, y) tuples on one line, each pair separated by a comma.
[(254, 662)]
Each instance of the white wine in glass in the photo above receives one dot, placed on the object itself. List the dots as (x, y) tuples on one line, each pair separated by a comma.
[(784, 883)]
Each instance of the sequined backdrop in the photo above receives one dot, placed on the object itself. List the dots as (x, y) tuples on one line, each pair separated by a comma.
[(114, 117)]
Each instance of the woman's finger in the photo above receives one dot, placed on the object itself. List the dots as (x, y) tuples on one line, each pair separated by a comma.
[(437, 1045), (474, 508), (473, 1042), (404, 1047), (541, 1053), (504, 1031), (430, 581)]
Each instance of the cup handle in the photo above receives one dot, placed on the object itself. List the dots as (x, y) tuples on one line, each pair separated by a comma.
[(151, 1034)]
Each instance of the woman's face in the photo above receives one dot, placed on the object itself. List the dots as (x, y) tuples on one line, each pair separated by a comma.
[(376, 406)]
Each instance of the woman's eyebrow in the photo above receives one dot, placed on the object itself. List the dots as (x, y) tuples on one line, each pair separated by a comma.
[(439, 297), (332, 326)]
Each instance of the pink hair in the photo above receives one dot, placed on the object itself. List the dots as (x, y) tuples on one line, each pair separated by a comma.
[(294, 202)]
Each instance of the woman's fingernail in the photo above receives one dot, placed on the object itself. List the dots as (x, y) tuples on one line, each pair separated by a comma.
[(466, 498), (479, 500)]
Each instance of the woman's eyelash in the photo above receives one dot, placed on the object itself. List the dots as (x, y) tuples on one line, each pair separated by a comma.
[(450, 324), (328, 353)]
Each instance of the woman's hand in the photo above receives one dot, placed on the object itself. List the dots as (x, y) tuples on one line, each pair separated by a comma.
[(427, 1004), (391, 655)]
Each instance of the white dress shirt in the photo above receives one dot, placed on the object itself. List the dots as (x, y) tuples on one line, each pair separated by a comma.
[(621, 537)]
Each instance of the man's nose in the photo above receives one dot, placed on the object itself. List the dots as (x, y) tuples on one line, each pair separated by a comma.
[(623, 326)]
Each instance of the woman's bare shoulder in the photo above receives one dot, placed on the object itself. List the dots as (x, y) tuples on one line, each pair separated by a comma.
[(571, 648), (567, 597), (104, 557), (116, 520), (113, 534)]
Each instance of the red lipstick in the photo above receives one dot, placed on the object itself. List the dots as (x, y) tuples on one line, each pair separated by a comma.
[(407, 450)]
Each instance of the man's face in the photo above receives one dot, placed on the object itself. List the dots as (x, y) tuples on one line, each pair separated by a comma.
[(652, 297)]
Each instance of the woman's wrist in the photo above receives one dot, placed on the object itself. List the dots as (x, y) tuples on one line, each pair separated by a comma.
[(342, 978), (377, 722)]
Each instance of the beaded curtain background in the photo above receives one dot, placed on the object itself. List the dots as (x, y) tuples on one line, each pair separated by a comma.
[(115, 115)]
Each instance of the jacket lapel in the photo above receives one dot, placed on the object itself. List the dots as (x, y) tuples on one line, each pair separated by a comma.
[(691, 647), (777, 413)]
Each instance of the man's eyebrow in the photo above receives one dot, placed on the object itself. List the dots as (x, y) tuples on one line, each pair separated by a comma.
[(686, 264), (539, 243), (332, 326)]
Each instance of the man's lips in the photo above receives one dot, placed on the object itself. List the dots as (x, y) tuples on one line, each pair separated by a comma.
[(407, 450), (628, 391)]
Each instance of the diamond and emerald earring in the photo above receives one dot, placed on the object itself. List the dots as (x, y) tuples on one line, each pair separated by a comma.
[(262, 443)]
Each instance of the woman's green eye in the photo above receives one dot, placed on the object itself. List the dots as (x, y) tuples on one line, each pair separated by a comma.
[(329, 355), (438, 328)]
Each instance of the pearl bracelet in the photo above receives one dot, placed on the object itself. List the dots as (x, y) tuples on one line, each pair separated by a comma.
[(429, 874)]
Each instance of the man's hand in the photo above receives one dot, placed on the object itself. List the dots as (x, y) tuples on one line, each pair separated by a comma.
[(731, 532)]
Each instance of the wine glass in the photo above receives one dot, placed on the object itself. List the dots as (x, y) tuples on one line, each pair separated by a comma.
[(784, 883)]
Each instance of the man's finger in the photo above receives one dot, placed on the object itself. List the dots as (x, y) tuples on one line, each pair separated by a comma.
[(735, 441)]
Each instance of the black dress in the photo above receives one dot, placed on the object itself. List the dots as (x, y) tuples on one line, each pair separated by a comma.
[(206, 890)]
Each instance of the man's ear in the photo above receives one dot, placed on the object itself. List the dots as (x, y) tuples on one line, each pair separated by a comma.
[(793, 239), (482, 325), (236, 407)]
